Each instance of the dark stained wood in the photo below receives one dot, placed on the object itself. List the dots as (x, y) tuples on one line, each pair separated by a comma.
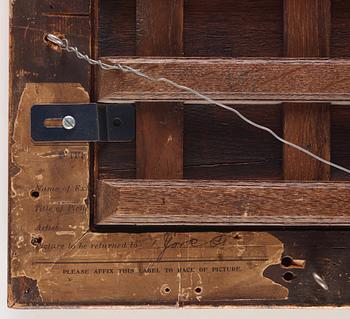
[(207, 32), (326, 253), (62, 7), (32, 64), (217, 145), (31, 59), (117, 27), (222, 203), (211, 28), (159, 126), (340, 30), (340, 142), (340, 115), (307, 34), (214, 150), (233, 28), (257, 27), (257, 31), (116, 160), (116, 35)]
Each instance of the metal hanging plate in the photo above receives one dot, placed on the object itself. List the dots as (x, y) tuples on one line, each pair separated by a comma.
[(83, 122)]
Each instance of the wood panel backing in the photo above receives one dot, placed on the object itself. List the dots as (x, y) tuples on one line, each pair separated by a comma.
[(307, 34), (340, 119), (206, 33), (116, 27), (215, 148), (232, 28), (257, 27), (227, 28), (325, 251), (340, 30), (217, 145), (159, 126)]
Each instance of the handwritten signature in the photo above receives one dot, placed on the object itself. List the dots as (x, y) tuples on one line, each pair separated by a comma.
[(169, 242)]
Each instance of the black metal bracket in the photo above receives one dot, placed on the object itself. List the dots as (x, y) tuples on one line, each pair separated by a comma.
[(95, 122)]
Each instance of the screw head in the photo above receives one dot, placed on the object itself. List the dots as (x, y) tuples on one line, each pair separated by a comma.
[(68, 122), (117, 122)]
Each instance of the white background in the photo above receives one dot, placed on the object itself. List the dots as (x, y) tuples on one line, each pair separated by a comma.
[(116, 313)]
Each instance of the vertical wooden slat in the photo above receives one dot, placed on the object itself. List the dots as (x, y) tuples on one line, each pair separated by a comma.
[(159, 132), (307, 34)]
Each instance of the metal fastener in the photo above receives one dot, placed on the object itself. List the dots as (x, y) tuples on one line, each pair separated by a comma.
[(68, 122)]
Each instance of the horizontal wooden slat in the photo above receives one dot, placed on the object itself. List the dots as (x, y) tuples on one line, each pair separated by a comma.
[(229, 79), (185, 202)]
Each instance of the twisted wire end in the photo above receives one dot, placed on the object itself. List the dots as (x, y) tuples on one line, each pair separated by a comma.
[(62, 43)]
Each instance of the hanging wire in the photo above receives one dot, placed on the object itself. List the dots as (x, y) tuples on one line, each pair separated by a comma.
[(64, 45)]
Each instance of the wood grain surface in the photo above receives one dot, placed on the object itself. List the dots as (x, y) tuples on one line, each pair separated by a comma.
[(159, 126), (216, 145), (231, 28), (228, 79), (59, 258), (307, 29), (159, 141), (31, 59), (159, 27), (222, 203), (340, 143)]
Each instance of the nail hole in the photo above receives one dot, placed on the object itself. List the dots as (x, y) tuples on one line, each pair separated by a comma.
[(36, 241), (117, 122), (288, 276), (287, 261), (34, 194), (27, 291), (198, 290), (165, 290)]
